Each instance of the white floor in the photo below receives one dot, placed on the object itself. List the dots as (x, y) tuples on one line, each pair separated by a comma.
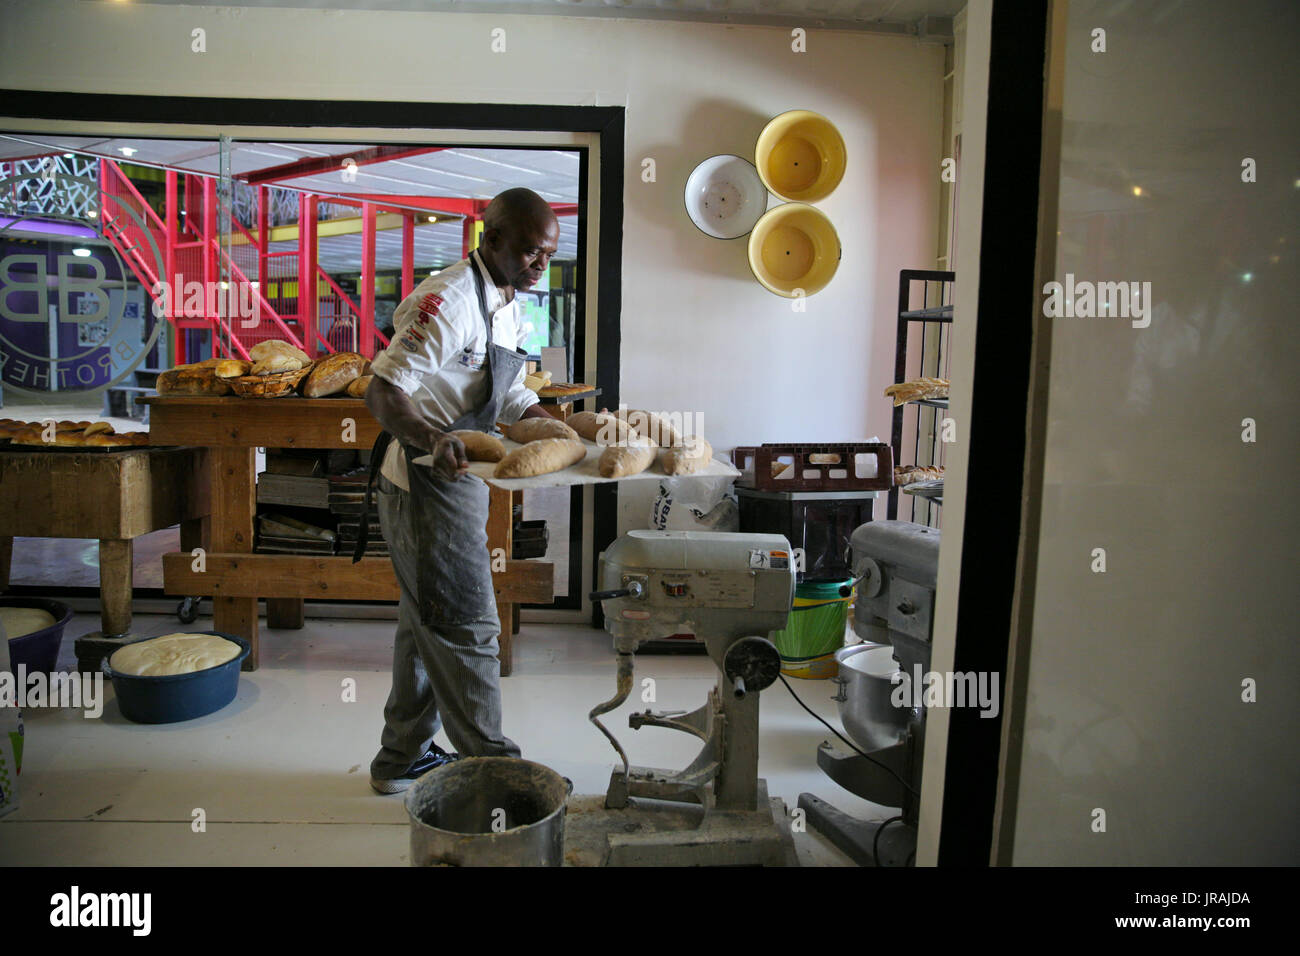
[(280, 775)]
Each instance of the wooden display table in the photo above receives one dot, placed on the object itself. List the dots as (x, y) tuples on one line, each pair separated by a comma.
[(230, 429), (113, 495)]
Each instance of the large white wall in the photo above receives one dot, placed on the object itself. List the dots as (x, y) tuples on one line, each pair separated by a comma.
[(698, 332)]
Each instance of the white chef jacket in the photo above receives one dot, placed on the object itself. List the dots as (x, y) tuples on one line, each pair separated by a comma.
[(439, 348)]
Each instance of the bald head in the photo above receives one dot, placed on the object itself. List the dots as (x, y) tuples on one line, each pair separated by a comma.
[(520, 234), (517, 209)]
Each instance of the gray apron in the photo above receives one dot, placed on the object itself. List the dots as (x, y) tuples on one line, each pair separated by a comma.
[(450, 517)]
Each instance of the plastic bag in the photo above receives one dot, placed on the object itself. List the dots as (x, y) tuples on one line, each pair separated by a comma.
[(694, 504)]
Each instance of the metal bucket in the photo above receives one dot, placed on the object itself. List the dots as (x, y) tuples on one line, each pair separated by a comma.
[(868, 679), (488, 811)]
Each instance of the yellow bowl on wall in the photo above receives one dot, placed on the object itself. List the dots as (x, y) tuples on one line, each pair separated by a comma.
[(794, 250), (800, 156)]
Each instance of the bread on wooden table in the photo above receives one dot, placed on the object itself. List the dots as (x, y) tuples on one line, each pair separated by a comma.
[(192, 380), (357, 387), (535, 429), (687, 458), (480, 446), (35, 435), (232, 368), (541, 457), (95, 428), (333, 374), (275, 362), (277, 385), (102, 440), (277, 346)]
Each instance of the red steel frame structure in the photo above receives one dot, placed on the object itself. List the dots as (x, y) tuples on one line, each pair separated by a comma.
[(191, 252)]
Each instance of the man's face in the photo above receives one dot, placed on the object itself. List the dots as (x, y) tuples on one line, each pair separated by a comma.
[(524, 254)]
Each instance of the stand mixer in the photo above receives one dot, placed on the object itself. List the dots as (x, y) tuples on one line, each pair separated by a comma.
[(896, 565), (729, 589)]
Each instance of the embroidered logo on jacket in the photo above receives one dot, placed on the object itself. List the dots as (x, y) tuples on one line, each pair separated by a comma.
[(430, 304)]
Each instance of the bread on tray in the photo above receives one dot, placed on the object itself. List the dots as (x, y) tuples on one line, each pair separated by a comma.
[(911, 474), (916, 389)]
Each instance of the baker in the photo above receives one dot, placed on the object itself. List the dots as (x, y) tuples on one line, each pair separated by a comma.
[(453, 364)]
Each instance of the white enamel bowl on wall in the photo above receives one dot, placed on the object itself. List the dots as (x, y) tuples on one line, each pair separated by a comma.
[(725, 196)]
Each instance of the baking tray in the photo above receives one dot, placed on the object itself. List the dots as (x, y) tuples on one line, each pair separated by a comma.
[(929, 490), (565, 399), (585, 472)]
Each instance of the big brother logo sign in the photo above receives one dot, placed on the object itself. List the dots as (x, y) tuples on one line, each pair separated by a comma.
[(65, 320)]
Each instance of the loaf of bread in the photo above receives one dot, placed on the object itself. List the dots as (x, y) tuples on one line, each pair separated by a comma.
[(687, 458), (277, 346), (916, 389), (275, 362), (232, 368), (35, 435), (333, 374), (125, 440), (601, 427), (95, 428), (357, 387), (541, 457), (535, 429), (563, 389), (480, 446), (277, 385), (632, 458), (654, 427), (910, 474), (192, 380)]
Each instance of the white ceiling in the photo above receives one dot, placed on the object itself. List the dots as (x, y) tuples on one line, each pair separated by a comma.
[(458, 172), (882, 16)]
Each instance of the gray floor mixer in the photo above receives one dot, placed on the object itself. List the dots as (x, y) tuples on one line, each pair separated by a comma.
[(730, 590), (896, 565)]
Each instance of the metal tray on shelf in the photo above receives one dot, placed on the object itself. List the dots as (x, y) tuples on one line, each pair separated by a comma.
[(930, 490)]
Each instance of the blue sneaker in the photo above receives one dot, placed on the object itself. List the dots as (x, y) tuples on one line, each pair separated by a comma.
[(436, 757)]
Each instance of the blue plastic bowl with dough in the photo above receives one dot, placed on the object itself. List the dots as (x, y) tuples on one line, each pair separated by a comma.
[(39, 650), (176, 697)]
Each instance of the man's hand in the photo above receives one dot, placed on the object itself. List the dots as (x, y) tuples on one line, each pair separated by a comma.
[(449, 458), (394, 410)]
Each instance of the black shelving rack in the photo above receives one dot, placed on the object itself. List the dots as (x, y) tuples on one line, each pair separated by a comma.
[(931, 319)]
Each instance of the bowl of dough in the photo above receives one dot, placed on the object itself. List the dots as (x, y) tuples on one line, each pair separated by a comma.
[(34, 627), (176, 677)]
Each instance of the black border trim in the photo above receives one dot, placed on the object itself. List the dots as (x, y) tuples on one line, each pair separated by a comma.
[(1000, 407)]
